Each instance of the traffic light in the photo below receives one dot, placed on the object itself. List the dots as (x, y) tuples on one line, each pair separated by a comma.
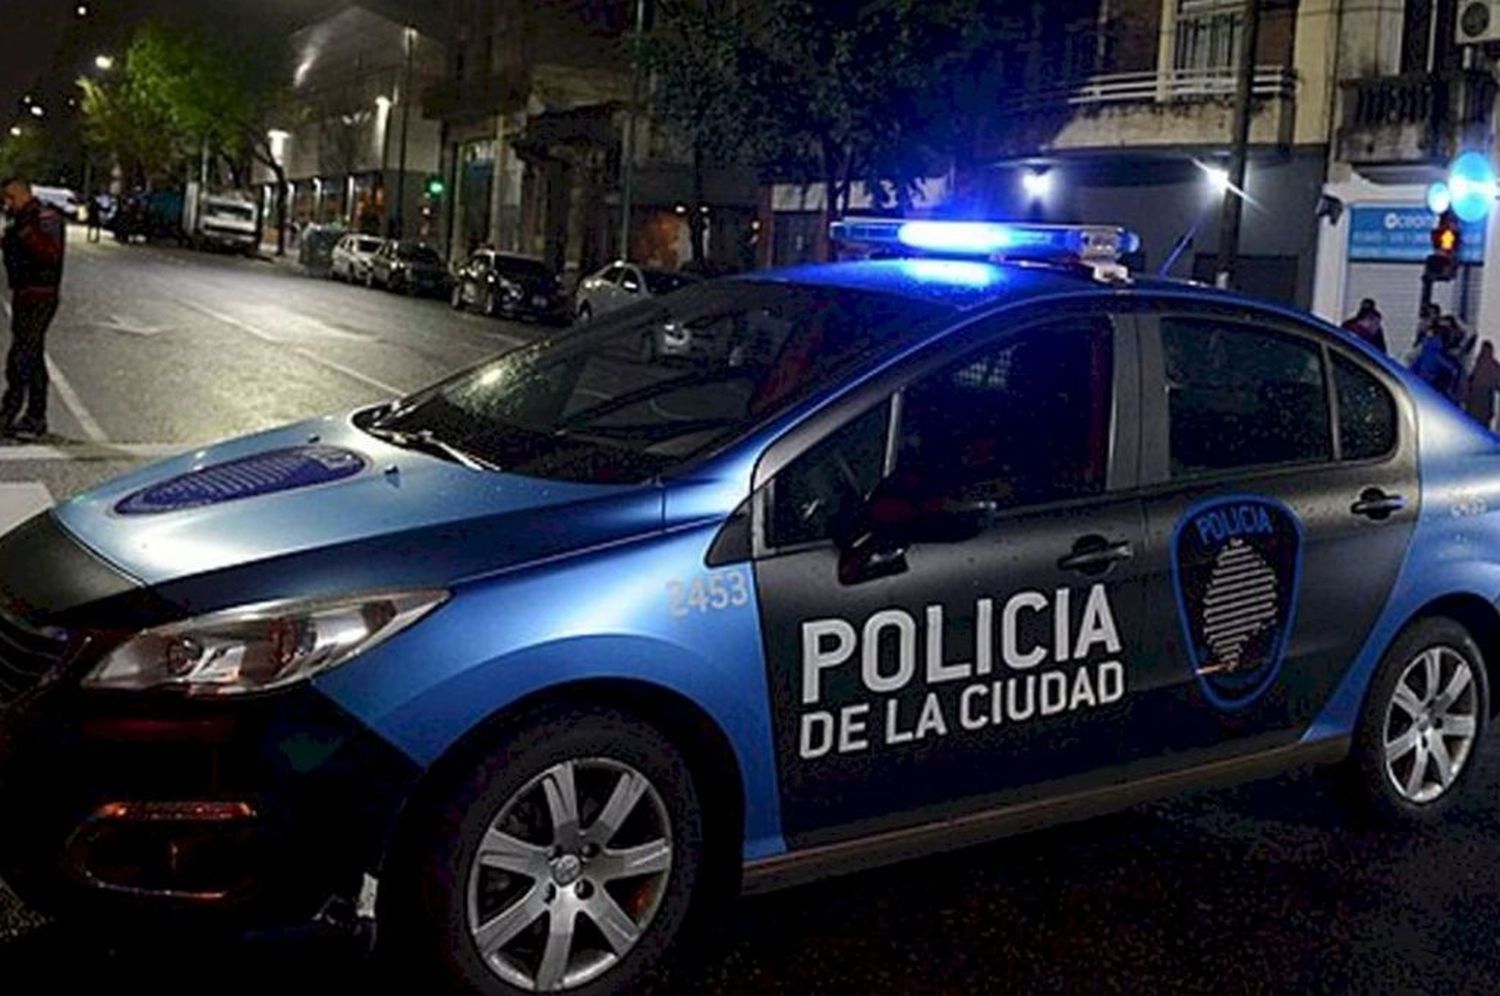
[(435, 186), (1447, 239)]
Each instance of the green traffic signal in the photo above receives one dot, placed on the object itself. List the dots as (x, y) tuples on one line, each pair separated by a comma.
[(435, 186)]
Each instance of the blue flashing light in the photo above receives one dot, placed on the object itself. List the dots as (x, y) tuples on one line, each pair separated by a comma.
[(1473, 185), (1086, 243), (968, 238)]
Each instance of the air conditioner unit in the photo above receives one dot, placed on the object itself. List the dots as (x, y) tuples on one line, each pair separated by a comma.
[(1478, 22)]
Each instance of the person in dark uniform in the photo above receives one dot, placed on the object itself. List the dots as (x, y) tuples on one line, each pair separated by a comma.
[(33, 252)]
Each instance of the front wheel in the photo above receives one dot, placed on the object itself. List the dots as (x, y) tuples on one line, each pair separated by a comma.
[(566, 860), (1427, 706)]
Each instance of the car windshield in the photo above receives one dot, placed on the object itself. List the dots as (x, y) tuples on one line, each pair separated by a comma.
[(641, 392), (245, 212), (660, 282), (528, 269), (418, 254), (367, 245)]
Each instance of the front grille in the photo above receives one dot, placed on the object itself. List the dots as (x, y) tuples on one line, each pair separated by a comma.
[(27, 655)]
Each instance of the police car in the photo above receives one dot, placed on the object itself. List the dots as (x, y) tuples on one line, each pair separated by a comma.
[(534, 664)]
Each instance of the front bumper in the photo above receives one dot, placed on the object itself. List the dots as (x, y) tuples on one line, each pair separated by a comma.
[(256, 812), (132, 805)]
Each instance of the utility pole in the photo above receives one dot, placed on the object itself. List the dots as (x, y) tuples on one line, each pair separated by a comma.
[(1234, 193), (400, 218), (627, 165)]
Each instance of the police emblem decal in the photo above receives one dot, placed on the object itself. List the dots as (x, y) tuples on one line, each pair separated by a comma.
[(1236, 565)]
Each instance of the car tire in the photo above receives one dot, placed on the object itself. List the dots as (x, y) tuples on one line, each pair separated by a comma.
[(491, 304), (648, 350), (370, 278), (456, 297), (585, 312), (1416, 743), (445, 896)]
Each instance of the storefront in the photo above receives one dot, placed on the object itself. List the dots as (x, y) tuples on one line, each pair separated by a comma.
[(1374, 243)]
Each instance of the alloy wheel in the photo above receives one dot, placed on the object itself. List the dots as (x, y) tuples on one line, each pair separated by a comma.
[(569, 874), (1431, 723)]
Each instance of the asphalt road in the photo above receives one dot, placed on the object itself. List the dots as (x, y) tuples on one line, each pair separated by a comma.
[(1258, 889)]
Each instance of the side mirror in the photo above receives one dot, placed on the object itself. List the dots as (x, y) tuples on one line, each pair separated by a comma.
[(873, 540)]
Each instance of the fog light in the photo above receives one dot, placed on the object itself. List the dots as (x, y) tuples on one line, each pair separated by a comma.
[(201, 851)]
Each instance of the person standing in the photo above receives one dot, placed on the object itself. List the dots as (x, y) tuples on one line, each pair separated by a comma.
[(33, 251), (96, 218), (1368, 324), (1484, 381)]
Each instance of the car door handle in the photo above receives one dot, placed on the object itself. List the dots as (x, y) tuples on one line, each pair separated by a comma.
[(1095, 555), (1375, 504)]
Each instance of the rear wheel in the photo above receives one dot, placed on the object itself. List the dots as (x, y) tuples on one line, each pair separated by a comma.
[(491, 303), (566, 860), (1414, 748), (456, 297)]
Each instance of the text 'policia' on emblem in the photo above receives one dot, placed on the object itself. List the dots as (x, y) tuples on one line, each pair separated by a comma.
[(1236, 565)]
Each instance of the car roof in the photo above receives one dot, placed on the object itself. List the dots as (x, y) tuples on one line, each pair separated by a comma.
[(970, 285)]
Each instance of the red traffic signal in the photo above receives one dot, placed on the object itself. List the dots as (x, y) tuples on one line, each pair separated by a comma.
[(1447, 239), (1447, 236)]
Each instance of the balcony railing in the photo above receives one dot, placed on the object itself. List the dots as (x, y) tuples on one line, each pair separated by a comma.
[(1415, 118), (1174, 86)]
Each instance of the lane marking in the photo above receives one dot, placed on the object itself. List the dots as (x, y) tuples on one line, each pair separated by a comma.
[(70, 398), (301, 351), (19, 502), (24, 452)]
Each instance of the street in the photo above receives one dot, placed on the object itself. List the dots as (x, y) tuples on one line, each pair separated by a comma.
[(158, 350), (1258, 889)]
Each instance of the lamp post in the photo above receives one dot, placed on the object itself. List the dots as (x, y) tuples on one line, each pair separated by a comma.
[(398, 229), (627, 168)]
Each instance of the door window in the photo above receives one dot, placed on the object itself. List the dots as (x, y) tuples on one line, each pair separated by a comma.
[(1240, 397), (1367, 412), (630, 281), (830, 481), (1024, 422), (611, 275)]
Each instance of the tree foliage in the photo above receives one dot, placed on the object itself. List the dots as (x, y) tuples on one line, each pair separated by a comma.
[(880, 92)]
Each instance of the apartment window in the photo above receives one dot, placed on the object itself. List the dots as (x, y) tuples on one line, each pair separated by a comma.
[(1209, 33)]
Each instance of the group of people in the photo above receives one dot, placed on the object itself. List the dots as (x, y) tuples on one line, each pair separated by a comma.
[(1443, 355)]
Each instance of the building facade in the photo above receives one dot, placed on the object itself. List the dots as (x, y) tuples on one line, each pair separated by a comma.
[(354, 144), (535, 103), (1412, 95)]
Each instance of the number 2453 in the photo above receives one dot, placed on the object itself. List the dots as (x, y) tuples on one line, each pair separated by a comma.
[(708, 591)]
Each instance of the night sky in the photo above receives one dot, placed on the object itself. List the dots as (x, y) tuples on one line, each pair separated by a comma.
[(32, 32)]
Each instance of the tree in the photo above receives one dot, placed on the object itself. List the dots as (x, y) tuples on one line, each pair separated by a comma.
[(880, 93), (214, 99), (705, 71), (23, 154), (119, 122)]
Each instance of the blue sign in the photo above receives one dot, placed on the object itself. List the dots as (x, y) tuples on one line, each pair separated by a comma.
[(1403, 234)]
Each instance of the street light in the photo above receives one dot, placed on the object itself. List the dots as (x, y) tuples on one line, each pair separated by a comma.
[(1037, 184), (15, 131), (37, 112), (82, 10), (104, 62)]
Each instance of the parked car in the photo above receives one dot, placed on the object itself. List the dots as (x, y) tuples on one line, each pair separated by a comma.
[(63, 199), (505, 284), (621, 283), (351, 257), (407, 266)]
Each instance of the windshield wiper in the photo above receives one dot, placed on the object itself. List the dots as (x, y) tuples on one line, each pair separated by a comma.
[(426, 442)]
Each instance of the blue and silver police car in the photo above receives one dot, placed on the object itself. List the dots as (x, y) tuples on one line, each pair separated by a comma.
[(901, 554)]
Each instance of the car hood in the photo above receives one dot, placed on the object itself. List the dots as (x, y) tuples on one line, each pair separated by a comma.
[(323, 499)]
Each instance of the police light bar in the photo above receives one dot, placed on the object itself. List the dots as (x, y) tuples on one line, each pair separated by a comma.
[(1086, 243)]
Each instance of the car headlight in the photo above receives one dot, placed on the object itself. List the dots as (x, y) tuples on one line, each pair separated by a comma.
[(257, 648)]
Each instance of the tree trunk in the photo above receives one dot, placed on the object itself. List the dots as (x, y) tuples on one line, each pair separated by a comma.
[(695, 210), (280, 172)]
